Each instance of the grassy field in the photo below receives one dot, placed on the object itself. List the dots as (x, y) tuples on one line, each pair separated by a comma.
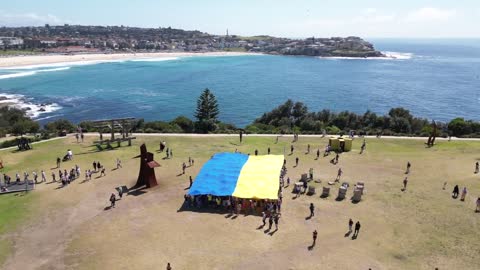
[(16, 52), (420, 228)]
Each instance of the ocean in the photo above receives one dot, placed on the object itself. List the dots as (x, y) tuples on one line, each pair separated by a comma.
[(437, 79)]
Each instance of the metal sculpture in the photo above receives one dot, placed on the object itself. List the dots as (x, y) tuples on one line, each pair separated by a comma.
[(146, 175)]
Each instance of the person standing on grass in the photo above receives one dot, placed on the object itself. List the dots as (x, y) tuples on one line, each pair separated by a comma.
[(318, 153), (169, 267), (464, 193), (58, 162), (82, 136), (308, 149), (357, 229), (77, 136), (291, 149), (44, 177), (408, 167), (53, 177), (477, 167), (455, 192), (288, 181), (171, 153), (268, 151), (112, 201), (312, 210), (102, 173), (35, 176), (184, 166), (336, 158), (478, 205), (94, 166), (296, 162), (314, 237), (256, 152), (350, 225), (310, 172), (405, 182)]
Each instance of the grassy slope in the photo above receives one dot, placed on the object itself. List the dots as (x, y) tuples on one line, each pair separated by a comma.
[(419, 228)]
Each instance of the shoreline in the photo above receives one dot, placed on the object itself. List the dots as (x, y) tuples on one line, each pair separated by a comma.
[(33, 61)]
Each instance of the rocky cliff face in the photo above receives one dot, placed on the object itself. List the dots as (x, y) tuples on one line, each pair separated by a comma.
[(326, 47)]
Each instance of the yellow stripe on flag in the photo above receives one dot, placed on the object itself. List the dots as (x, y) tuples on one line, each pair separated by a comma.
[(259, 177)]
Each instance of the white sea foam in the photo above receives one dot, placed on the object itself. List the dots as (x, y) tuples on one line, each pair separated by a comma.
[(32, 109), (90, 62), (388, 56), (30, 73), (158, 59)]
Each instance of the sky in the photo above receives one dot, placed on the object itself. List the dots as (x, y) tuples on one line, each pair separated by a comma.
[(292, 18)]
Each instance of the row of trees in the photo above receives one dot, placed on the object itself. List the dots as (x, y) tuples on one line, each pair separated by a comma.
[(295, 117), (287, 118)]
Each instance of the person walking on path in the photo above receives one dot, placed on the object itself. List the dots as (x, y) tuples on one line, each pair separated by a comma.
[(291, 149), (357, 229), (339, 175), (184, 166), (455, 192), (53, 177), (336, 158), (44, 177), (270, 222), (94, 166), (191, 182), (112, 201), (405, 182), (464, 193), (264, 218), (314, 238), (350, 225), (477, 167), (119, 163), (408, 167), (312, 210), (275, 219)]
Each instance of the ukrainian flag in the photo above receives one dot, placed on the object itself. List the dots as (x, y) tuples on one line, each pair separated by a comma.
[(239, 175)]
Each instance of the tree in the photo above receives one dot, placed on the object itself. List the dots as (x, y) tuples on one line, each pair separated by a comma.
[(207, 107), (207, 111), (459, 127)]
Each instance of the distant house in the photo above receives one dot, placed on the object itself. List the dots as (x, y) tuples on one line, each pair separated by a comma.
[(11, 43)]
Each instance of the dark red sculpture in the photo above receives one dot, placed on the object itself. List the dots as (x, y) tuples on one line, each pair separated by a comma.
[(146, 175)]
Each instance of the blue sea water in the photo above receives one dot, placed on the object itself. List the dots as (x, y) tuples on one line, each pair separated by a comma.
[(436, 79)]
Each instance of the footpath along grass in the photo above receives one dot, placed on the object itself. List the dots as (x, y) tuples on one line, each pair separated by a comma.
[(420, 228)]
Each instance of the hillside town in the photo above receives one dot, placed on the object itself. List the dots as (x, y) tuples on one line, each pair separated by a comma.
[(69, 39)]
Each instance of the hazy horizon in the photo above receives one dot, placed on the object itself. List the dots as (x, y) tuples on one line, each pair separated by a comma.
[(303, 18)]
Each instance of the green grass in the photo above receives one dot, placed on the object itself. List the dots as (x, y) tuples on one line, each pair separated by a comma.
[(413, 226), (16, 52), (236, 49)]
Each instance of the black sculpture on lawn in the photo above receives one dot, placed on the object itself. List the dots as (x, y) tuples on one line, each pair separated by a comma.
[(146, 176), (431, 138)]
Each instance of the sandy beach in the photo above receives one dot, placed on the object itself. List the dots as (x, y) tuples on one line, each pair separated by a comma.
[(32, 60)]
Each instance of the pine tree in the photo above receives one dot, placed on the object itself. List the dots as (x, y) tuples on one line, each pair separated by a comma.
[(207, 111), (207, 107)]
